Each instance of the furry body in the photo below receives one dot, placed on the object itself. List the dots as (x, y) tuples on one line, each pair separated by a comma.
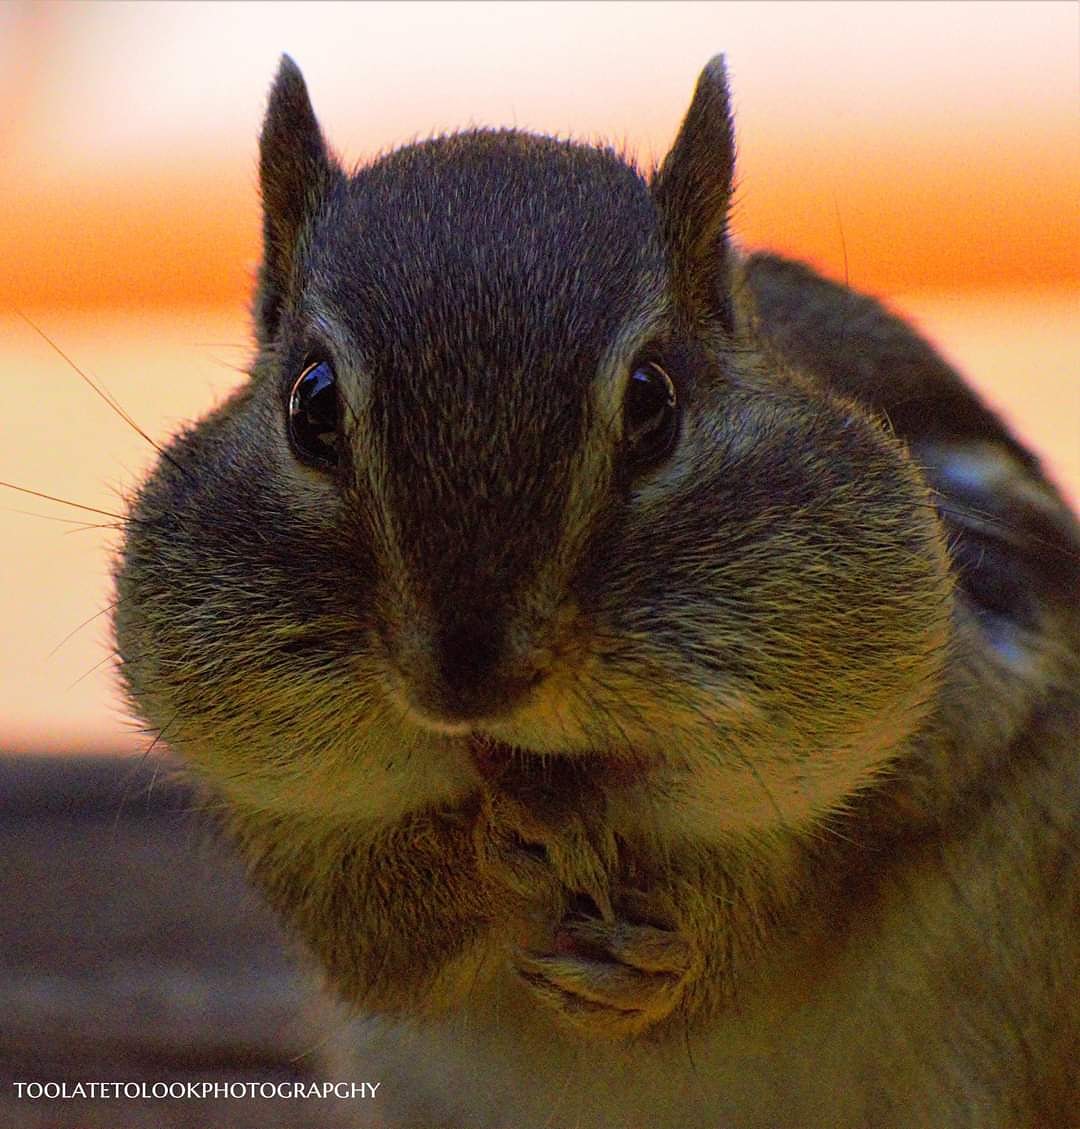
[(734, 786)]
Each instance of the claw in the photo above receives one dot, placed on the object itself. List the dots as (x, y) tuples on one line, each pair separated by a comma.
[(644, 947), (610, 978)]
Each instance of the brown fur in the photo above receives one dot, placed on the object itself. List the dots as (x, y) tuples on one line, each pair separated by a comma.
[(736, 789)]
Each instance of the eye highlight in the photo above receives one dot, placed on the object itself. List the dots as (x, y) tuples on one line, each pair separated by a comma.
[(651, 420), (314, 415)]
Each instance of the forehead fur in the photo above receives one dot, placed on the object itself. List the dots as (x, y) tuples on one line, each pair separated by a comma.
[(481, 278), (489, 240)]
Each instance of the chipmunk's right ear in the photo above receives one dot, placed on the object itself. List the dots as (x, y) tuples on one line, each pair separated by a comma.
[(296, 172), (692, 190)]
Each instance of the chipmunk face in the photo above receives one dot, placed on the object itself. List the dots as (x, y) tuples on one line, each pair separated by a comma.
[(512, 478)]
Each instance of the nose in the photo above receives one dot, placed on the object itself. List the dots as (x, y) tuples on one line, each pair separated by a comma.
[(468, 657), (471, 672)]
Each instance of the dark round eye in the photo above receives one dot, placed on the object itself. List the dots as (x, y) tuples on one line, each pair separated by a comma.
[(313, 415), (652, 415)]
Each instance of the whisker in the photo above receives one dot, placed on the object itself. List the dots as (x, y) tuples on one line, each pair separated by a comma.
[(75, 630), (86, 526), (103, 393), (960, 511), (50, 517), (132, 773), (843, 248), (124, 520), (97, 666)]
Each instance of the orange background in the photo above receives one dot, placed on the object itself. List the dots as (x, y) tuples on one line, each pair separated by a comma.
[(928, 151)]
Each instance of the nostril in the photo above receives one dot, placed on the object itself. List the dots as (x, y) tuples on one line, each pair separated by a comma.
[(467, 670), (582, 907), (535, 678), (536, 851), (469, 654)]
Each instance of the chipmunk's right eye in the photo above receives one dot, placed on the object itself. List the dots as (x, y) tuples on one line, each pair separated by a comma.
[(651, 415), (314, 415)]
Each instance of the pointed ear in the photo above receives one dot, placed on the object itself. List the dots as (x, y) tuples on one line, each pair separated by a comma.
[(692, 190), (296, 173)]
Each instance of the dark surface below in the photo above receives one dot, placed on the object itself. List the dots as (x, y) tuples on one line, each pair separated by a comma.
[(132, 949)]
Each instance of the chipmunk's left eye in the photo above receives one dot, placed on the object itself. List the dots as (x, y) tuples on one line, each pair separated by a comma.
[(314, 414), (651, 415)]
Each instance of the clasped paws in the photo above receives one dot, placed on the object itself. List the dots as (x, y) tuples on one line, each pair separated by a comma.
[(612, 978), (605, 968)]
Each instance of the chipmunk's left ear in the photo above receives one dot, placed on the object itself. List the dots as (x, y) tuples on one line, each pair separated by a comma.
[(296, 172), (692, 190)]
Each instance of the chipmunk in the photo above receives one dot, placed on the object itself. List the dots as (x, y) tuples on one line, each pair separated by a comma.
[(644, 675)]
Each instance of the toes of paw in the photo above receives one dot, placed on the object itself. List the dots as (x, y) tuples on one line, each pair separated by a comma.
[(583, 1015), (575, 984), (645, 948), (524, 870)]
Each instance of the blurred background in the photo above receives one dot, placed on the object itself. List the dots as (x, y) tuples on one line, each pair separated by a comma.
[(929, 152)]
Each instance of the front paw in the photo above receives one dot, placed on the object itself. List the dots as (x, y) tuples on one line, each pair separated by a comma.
[(513, 862), (547, 856), (611, 978)]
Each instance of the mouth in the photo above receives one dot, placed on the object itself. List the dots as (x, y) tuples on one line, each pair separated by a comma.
[(508, 767)]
